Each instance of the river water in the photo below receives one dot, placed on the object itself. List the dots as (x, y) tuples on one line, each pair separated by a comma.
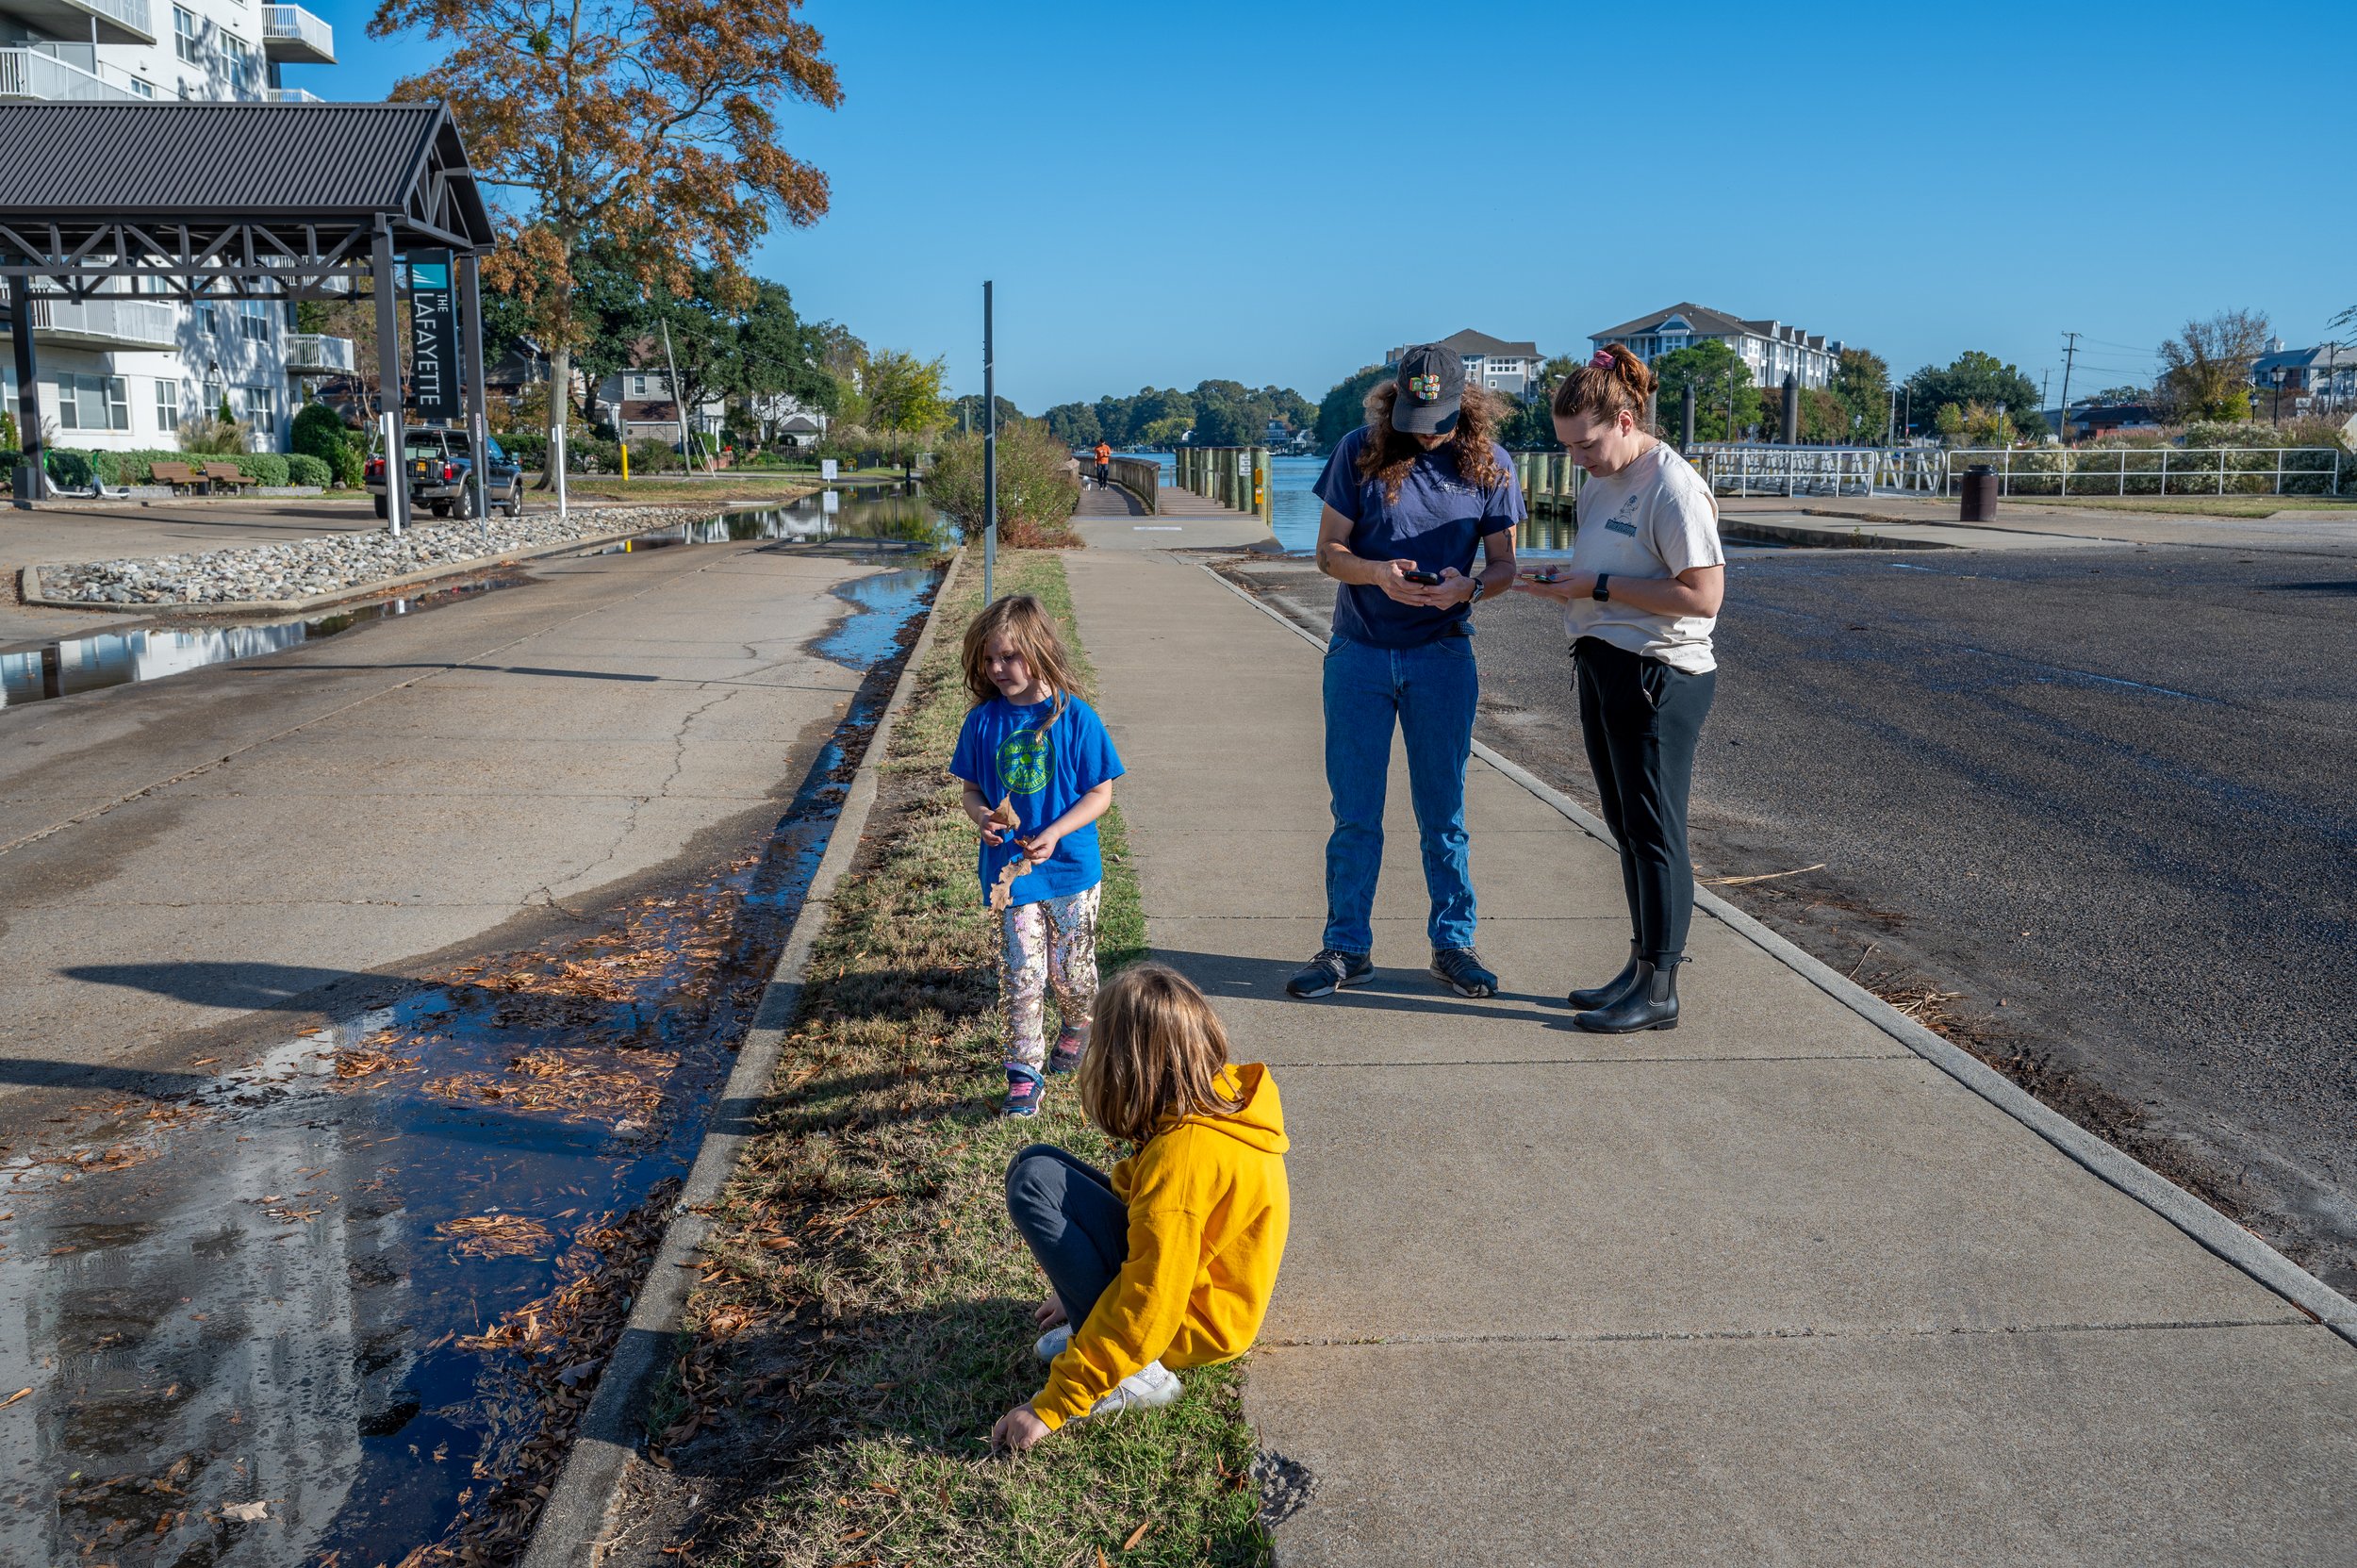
[(1294, 509), (343, 1304)]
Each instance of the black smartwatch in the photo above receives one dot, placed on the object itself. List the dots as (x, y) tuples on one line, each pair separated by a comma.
[(1603, 588)]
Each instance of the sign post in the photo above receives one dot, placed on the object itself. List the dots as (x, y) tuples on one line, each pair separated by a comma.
[(990, 458)]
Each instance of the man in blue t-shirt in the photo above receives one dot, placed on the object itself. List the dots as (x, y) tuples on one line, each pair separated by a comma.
[(1408, 498)]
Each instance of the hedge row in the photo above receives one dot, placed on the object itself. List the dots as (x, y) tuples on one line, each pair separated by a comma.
[(74, 469)]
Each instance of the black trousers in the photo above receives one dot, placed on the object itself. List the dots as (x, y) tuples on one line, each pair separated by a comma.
[(1642, 720)]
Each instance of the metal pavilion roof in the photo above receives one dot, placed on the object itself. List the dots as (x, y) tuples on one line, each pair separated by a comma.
[(228, 200)]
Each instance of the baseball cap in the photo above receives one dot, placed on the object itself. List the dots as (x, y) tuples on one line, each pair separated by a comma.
[(1431, 388)]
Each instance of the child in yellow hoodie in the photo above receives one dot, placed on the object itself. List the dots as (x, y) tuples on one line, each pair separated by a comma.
[(1168, 1262)]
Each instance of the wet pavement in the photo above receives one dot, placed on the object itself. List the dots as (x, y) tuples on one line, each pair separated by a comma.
[(341, 1305)]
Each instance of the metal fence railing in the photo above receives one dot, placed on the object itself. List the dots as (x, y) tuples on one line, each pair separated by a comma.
[(2155, 471), (1759, 468)]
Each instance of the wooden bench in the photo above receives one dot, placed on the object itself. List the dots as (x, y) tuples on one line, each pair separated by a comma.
[(174, 475), (217, 475)]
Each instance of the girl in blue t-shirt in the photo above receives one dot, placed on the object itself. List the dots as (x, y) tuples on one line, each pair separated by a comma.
[(1038, 770)]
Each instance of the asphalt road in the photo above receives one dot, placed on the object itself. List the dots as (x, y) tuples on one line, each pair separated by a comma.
[(2094, 813)]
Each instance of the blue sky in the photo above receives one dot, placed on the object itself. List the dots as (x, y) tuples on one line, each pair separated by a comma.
[(1278, 194)]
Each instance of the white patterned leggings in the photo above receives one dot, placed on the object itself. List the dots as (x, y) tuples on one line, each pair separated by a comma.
[(1047, 945)]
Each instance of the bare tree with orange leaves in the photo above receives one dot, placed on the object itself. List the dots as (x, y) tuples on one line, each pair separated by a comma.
[(648, 125)]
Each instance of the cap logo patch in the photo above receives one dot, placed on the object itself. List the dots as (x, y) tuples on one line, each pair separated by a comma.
[(1424, 388)]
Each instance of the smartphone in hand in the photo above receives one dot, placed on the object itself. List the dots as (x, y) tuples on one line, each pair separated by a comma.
[(1428, 579), (1543, 574)]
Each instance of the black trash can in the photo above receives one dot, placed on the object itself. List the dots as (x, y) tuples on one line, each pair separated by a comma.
[(1980, 494)]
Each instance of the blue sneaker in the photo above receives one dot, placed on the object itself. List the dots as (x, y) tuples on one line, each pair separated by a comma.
[(1329, 971), (1024, 1090), (1065, 1058)]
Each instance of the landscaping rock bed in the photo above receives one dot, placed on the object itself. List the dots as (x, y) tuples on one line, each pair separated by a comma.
[(337, 562)]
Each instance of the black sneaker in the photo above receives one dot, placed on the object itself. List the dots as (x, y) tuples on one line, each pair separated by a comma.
[(1461, 970), (1329, 971)]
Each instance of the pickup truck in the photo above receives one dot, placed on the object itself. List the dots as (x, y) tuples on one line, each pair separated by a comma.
[(440, 465)]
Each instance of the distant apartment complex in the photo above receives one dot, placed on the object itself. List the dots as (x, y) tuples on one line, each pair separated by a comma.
[(1771, 349), (2317, 380), (123, 370), (1492, 362)]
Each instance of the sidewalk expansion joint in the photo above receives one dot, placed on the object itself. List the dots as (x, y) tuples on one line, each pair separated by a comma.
[(1607, 1061), (1664, 1336)]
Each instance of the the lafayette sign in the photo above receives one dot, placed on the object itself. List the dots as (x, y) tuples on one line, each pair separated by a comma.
[(433, 338)]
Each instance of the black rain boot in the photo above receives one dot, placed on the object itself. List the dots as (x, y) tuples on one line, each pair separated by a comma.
[(1651, 1002), (1611, 990)]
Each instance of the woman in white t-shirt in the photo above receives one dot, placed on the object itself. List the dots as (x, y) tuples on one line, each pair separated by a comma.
[(1640, 598)]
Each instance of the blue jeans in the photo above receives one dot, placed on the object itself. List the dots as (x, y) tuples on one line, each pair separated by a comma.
[(1429, 693)]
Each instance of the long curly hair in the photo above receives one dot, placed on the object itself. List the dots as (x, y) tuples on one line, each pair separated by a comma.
[(1388, 455)]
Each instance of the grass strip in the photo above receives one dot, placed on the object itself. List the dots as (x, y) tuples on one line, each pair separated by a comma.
[(864, 1310)]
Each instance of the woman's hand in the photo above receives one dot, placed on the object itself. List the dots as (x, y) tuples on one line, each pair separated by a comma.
[(1017, 1431), (1392, 577), (1563, 589), (1050, 1312)]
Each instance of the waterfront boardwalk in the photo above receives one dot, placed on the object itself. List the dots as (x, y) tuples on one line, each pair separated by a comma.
[(1770, 1287)]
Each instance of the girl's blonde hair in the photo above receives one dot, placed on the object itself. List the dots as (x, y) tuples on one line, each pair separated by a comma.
[(1024, 621), (1156, 1050)]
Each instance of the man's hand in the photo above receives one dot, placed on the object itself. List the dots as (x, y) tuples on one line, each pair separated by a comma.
[(1455, 588), (1050, 1312), (1017, 1431)]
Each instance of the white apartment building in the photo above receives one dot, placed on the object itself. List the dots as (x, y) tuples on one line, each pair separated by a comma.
[(1507, 369), (1771, 349), (123, 371)]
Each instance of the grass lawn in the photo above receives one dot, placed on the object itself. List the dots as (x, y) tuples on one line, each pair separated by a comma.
[(730, 489), (864, 1312), (2193, 506)]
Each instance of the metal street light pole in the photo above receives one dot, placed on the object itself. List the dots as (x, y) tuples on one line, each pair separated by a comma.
[(990, 458)]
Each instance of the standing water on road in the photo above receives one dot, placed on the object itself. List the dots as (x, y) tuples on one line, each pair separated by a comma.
[(343, 1306)]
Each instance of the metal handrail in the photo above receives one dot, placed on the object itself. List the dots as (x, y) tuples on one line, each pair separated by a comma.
[(294, 21), (32, 73), (2157, 470)]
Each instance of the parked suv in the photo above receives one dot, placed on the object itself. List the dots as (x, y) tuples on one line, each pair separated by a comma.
[(440, 465)]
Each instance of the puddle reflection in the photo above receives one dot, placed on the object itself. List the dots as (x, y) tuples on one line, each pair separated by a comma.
[(319, 1311)]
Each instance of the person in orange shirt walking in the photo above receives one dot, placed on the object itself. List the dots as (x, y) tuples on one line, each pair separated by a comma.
[(1104, 465)]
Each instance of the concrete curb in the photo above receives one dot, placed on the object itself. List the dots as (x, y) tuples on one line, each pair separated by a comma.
[(28, 581), (574, 1523), (2208, 1228), (1825, 538)]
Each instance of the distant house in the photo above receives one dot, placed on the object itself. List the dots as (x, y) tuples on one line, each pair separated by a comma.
[(2312, 380), (1492, 362), (786, 420), (640, 405), (2093, 421), (1771, 349)]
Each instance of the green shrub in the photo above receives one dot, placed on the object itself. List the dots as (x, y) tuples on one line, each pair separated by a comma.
[(68, 469), (1035, 493), (7, 431), (320, 432), (303, 469), (652, 457), (351, 464), (262, 467), (528, 447)]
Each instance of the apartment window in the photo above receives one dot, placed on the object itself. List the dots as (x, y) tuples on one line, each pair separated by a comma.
[(253, 321), (642, 386), (188, 40), (92, 402), (167, 403), (212, 396), (140, 85), (238, 61), (261, 411), (208, 318)]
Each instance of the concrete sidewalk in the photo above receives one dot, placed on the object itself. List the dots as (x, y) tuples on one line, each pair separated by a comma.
[(1770, 1287)]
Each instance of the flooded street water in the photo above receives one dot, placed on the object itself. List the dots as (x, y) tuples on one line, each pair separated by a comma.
[(342, 1306)]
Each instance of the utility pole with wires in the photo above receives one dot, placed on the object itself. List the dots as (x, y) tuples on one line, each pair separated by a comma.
[(2070, 351)]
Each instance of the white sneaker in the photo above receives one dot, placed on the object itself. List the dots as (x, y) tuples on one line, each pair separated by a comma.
[(1051, 1343), (1148, 1388)]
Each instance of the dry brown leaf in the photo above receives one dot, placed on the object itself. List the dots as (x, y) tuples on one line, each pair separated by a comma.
[(1137, 1535), (14, 1397), (1004, 814)]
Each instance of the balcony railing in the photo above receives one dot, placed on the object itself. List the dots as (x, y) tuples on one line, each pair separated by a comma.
[(30, 73), (101, 322), (312, 351), (96, 21), (291, 33), (291, 95)]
